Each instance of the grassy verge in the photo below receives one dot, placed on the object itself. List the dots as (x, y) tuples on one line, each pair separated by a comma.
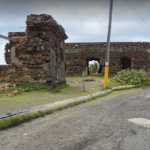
[(35, 94), (16, 120), (38, 94)]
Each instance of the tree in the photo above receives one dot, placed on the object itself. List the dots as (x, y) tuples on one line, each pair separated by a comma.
[(93, 68)]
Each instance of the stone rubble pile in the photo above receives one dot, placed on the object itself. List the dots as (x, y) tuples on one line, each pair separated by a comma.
[(6, 86)]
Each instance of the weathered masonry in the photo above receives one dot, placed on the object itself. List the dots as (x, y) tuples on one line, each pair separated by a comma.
[(123, 55), (38, 55)]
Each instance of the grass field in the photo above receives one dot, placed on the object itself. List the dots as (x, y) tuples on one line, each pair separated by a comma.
[(40, 97)]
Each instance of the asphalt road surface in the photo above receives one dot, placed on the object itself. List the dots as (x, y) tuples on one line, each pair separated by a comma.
[(101, 124)]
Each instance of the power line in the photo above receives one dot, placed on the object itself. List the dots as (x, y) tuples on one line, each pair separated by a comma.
[(136, 13)]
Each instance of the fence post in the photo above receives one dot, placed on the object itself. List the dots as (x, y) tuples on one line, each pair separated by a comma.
[(83, 81)]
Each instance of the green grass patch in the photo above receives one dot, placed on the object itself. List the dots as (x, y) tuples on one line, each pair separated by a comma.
[(16, 120), (51, 111), (22, 87), (40, 87), (32, 86), (106, 88), (59, 88)]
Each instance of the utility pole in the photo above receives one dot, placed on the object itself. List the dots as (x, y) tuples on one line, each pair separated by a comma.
[(108, 45)]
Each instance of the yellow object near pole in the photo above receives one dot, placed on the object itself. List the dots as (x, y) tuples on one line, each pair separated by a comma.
[(106, 76)]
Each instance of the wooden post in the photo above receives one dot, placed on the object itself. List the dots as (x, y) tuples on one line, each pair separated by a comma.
[(83, 81)]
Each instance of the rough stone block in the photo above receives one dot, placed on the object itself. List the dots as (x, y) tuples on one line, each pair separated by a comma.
[(11, 71)]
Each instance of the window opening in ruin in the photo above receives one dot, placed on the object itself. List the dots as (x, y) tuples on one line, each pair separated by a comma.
[(125, 63), (93, 66)]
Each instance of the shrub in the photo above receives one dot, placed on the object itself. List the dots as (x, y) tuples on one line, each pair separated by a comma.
[(131, 77)]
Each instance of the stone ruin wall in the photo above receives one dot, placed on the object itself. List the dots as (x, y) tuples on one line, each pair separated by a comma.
[(77, 55), (38, 55)]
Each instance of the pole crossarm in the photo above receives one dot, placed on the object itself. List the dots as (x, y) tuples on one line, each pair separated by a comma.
[(8, 38)]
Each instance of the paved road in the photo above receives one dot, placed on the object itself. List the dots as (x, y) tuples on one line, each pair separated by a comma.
[(98, 125)]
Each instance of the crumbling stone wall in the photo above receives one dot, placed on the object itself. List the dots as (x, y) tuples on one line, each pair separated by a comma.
[(77, 55), (20, 36), (38, 55)]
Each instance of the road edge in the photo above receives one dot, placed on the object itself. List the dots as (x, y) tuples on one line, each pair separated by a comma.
[(56, 106)]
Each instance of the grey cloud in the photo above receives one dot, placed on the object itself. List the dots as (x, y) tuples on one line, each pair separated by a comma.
[(83, 20)]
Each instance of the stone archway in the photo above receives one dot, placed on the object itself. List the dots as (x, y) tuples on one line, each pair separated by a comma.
[(125, 62), (94, 59)]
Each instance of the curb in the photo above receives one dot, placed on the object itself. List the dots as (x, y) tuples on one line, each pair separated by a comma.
[(55, 105), (59, 104), (122, 87)]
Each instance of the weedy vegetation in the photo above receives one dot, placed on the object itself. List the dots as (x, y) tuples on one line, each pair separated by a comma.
[(22, 87), (39, 87), (133, 77)]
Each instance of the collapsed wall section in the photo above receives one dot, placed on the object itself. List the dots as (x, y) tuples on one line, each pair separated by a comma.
[(9, 55), (39, 52), (77, 55)]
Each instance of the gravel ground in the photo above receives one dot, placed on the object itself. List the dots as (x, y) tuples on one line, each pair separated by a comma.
[(97, 125)]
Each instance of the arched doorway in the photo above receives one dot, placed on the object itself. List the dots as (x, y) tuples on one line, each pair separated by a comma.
[(125, 63), (95, 64)]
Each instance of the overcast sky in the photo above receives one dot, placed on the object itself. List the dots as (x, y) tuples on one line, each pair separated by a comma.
[(83, 20)]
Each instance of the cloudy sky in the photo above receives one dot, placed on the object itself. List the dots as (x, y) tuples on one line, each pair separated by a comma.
[(83, 20)]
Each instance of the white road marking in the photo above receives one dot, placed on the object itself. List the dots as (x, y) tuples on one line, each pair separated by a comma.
[(140, 121)]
